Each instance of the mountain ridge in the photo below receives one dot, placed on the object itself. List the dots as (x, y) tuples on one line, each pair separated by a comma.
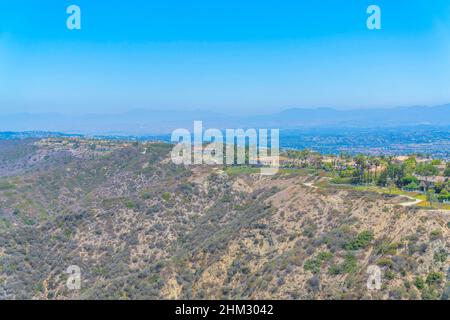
[(147, 121)]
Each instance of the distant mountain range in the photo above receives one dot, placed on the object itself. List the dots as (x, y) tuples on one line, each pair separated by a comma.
[(142, 121)]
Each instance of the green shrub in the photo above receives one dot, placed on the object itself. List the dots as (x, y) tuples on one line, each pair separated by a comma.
[(430, 294), (325, 256), (146, 195), (389, 274), (434, 278), (435, 234), (166, 196), (385, 262), (350, 264), (440, 256), (313, 265), (387, 248), (412, 186), (130, 204), (339, 180), (419, 283), (335, 270), (361, 241)]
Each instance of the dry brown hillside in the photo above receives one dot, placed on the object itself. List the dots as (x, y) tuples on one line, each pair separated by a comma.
[(141, 227)]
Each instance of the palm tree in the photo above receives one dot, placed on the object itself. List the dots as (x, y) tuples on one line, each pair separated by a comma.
[(377, 163), (361, 164)]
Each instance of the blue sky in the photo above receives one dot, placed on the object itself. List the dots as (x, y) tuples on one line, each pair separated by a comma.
[(232, 56)]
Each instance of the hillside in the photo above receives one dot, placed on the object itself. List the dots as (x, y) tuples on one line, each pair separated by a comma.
[(140, 227)]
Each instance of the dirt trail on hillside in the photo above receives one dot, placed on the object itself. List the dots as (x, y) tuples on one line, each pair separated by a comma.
[(411, 203)]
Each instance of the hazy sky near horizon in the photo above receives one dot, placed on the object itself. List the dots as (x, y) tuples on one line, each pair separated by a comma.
[(231, 56)]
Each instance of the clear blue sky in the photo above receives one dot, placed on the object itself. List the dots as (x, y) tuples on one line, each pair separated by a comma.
[(231, 56)]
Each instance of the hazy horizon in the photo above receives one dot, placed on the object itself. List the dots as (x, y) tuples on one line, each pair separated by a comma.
[(212, 110)]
